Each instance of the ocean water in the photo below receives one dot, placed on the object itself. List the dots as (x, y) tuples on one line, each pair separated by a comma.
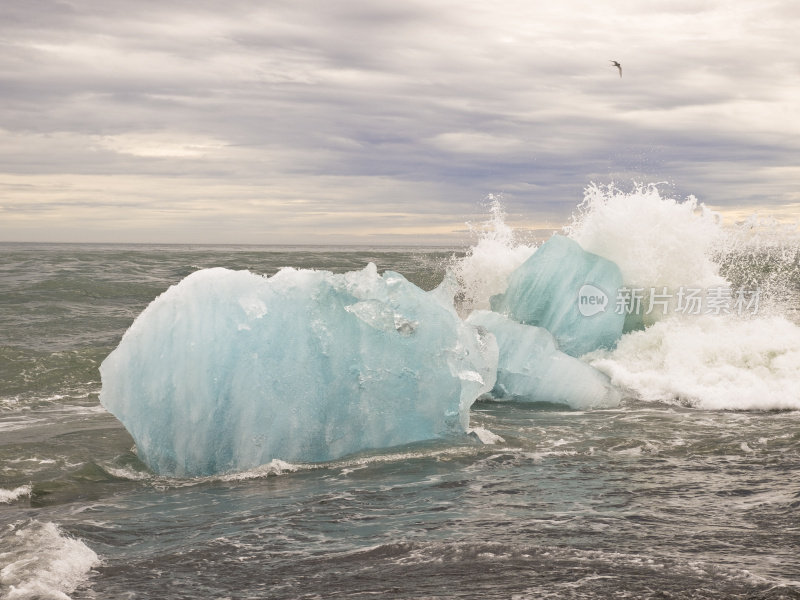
[(689, 489)]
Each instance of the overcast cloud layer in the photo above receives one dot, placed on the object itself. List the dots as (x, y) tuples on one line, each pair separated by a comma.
[(368, 121)]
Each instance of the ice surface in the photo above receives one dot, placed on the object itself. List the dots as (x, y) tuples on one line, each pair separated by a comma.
[(532, 369), (228, 370), (569, 292)]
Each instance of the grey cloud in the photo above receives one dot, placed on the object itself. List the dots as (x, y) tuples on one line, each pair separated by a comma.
[(463, 100)]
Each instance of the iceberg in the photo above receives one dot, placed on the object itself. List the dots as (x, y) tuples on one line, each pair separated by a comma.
[(569, 292), (532, 369), (228, 370)]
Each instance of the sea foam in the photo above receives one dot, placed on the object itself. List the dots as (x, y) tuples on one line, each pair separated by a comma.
[(38, 561), (710, 362), (8, 496)]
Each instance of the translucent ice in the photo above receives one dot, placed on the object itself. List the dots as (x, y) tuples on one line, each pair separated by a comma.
[(531, 368), (569, 292), (228, 370)]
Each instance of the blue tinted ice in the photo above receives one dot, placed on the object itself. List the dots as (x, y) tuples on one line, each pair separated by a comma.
[(532, 369), (569, 292), (228, 370)]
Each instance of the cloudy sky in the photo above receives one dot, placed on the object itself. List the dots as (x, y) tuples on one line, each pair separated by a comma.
[(369, 121)]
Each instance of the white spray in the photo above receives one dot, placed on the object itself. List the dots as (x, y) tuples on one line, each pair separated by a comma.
[(484, 271), (712, 361)]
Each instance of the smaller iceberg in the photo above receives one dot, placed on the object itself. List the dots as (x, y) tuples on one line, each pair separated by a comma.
[(228, 370), (532, 369), (569, 292)]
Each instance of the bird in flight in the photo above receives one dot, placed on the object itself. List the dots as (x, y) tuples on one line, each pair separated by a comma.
[(619, 66)]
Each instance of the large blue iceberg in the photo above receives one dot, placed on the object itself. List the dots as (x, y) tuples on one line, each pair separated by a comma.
[(532, 369), (228, 370), (569, 292)]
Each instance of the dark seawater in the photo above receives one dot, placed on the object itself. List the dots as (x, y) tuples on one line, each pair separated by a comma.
[(647, 500)]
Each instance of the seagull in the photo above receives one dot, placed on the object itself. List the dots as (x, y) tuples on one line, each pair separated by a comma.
[(619, 66)]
